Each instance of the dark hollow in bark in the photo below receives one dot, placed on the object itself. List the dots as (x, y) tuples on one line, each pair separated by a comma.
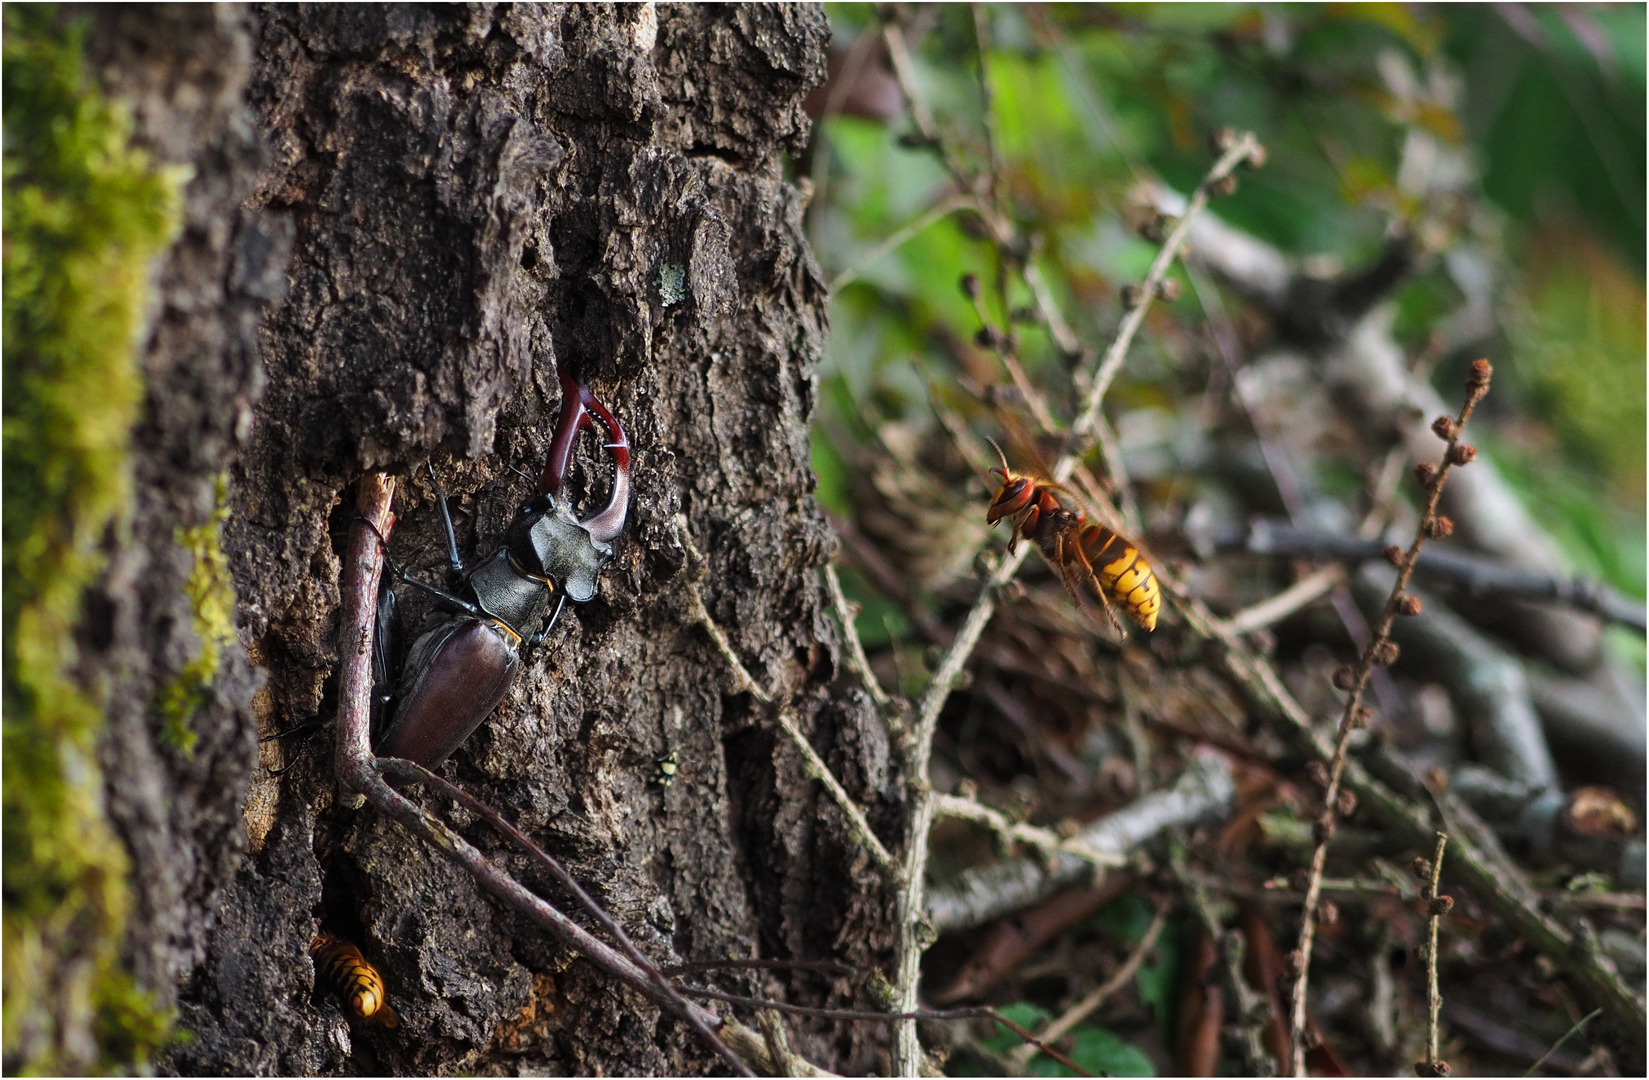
[(434, 209)]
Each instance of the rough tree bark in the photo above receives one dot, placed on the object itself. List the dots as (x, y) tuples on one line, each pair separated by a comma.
[(472, 197)]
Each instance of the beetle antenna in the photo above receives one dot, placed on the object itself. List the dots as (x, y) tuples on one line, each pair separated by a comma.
[(525, 476)]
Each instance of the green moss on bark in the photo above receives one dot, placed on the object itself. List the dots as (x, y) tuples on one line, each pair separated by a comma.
[(85, 215), (212, 601)]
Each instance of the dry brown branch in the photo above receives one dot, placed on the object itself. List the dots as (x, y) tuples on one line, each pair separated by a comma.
[(1274, 609), (1383, 651)]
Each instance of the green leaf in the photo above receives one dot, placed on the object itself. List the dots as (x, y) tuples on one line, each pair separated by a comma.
[(1156, 977), (1126, 917), (1100, 1052), (1024, 1014)]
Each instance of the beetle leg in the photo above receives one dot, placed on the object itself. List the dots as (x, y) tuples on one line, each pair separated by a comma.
[(308, 729), (538, 638), (458, 603), (454, 562)]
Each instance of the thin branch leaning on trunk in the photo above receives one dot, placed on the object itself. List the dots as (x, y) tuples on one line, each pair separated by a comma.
[(360, 772), (1383, 651)]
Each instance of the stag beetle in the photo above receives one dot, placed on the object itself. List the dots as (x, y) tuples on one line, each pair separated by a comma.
[(456, 673)]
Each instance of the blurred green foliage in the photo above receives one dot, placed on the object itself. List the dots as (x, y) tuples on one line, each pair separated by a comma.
[(1538, 109), (1509, 140)]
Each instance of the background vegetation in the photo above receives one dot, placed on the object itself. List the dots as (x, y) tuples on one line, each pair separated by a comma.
[(1504, 145)]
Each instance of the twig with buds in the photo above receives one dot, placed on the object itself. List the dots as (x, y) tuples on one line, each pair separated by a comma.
[(1436, 907), (1382, 651)]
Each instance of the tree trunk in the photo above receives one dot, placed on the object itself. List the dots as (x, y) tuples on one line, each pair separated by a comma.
[(473, 198)]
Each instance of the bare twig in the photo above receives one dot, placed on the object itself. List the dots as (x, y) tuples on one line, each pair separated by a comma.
[(856, 659), (1478, 575), (1205, 789), (1244, 148), (1048, 843), (944, 208), (1567, 1035), (1383, 651), (914, 932), (1303, 593), (743, 682), (993, 143), (1079, 1012), (1437, 905)]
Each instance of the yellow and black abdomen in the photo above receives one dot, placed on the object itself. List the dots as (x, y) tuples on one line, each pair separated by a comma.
[(1127, 578), (342, 967)]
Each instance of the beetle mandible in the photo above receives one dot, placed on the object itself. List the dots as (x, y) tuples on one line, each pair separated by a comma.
[(457, 672)]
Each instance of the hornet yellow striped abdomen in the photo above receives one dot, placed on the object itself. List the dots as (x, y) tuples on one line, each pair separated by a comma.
[(1083, 551), (343, 968)]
